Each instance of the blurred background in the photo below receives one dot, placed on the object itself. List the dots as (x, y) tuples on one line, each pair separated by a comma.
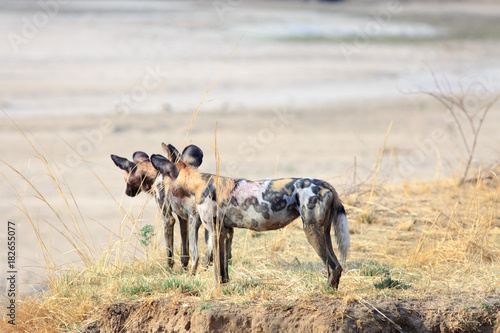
[(289, 88)]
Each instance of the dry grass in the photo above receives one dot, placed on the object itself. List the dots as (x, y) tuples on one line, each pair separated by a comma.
[(418, 241), (435, 239)]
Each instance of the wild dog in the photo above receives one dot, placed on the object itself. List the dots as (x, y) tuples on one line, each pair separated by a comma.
[(262, 205), (140, 175)]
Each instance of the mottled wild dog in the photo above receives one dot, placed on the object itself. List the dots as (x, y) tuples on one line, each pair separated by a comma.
[(261, 205), (140, 175)]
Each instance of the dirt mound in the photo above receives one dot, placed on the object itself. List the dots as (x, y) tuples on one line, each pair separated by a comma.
[(318, 315)]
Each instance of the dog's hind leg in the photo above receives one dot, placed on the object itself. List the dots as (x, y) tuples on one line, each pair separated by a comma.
[(334, 277), (318, 235), (335, 270)]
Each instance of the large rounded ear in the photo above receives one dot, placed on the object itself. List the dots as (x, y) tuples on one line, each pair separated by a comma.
[(172, 153), (192, 155), (123, 163), (164, 166), (140, 156)]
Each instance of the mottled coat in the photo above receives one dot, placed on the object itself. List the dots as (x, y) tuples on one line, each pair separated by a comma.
[(261, 205)]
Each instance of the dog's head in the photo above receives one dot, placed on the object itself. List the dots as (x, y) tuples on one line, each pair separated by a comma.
[(140, 174), (180, 170)]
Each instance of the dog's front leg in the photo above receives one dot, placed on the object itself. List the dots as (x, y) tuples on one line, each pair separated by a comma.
[(210, 246), (194, 226), (228, 239), (205, 213), (220, 257), (229, 246), (183, 224), (208, 239), (169, 238)]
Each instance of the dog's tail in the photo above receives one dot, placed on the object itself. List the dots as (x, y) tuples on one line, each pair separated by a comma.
[(341, 227)]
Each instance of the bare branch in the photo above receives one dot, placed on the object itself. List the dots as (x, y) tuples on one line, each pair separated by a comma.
[(463, 114)]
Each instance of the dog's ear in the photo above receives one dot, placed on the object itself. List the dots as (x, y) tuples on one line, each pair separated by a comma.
[(140, 156), (172, 152), (123, 163), (192, 155), (163, 165)]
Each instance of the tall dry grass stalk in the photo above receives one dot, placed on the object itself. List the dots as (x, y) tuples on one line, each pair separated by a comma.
[(67, 215), (220, 193), (59, 307), (218, 217)]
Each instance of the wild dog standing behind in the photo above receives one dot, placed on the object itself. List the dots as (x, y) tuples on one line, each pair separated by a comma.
[(140, 175), (261, 205)]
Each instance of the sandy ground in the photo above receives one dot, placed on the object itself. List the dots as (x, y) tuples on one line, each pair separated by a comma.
[(294, 88)]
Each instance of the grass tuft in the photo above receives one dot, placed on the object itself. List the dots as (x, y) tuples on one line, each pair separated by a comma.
[(389, 283), (367, 217)]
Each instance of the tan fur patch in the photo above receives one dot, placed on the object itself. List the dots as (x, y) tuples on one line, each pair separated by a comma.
[(189, 179), (323, 191), (194, 183), (280, 186), (150, 170), (224, 188)]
